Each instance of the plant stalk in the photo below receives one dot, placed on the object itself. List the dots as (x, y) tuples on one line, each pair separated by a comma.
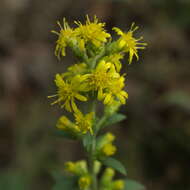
[(91, 164), (91, 154)]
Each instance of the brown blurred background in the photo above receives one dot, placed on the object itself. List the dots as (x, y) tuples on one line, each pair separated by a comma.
[(153, 142)]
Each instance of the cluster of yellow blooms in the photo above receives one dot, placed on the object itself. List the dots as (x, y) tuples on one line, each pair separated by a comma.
[(97, 76), (104, 145), (102, 78), (80, 169)]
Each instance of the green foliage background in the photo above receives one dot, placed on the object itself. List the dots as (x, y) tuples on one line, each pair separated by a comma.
[(153, 141)]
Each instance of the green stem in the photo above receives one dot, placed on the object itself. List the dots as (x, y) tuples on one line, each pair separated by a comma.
[(91, 153), (101, 122), (93, 62), (91, 164)]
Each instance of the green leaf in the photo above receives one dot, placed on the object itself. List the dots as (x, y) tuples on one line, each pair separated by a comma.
[(115, 118), (115, 164), (64, 182), (61, 133), (133, 185)]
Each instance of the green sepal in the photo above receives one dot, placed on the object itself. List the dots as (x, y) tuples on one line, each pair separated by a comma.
[(115, 164), (115, 118), (64, 182), (133, 185)]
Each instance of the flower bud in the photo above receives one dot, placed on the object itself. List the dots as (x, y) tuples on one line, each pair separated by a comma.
[(109, 149), (107, 176), (118, 185), (70, 167), (112, 108), (84, 182), (97, 166), (77, 168)]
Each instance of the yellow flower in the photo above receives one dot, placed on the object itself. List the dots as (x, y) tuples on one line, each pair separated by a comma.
[(116, 91), (107, 177), (109, 137), (118, 184), (108, 149), (105, 139), (84, 182), (97, 166), (65, 35), (78, 168), (93, 32), (102, 77), (105, 146), (84, 122), (115, 59), (65, 124), (70, 167), (128, 43), (68, 91)]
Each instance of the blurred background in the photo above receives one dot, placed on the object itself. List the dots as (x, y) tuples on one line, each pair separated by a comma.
[(154, 140)]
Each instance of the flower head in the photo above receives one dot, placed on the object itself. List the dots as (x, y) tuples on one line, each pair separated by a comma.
[(115, 59), (116, 92), (65, 124), (128, 43), (84, 122), (65, 35), (108, 149), (118, 184), (101, 77), (105, 146), (78, 168), (107, 177), (68, 91), (92, 32), (70, 167), (84, 182)]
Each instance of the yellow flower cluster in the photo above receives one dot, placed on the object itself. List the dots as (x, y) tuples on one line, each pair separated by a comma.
[(92, 33), (96, 76), (83, 123), (65, 36), (128, 43), (79, 169), (105, 146), (68, 91), (107, 182)]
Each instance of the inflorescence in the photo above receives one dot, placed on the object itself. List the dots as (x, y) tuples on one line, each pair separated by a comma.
[(96, 77)]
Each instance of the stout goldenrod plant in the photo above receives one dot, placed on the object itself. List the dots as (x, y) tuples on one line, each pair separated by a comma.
[(96, 79)]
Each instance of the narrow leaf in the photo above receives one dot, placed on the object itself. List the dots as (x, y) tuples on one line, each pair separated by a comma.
[(61, 133), (115, 118), (115, 164)]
